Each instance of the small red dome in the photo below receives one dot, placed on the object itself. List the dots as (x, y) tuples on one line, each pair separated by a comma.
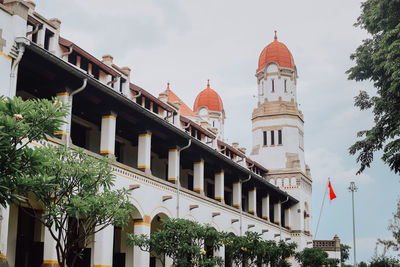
[(208, 98), (276, 52)]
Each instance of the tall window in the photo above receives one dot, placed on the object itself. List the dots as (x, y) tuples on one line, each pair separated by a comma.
[(273, 85), (265, 138), (280, 137), (272, 138), (285, 82)]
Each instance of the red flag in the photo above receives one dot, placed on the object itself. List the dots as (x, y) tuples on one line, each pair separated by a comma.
[(331, 193)]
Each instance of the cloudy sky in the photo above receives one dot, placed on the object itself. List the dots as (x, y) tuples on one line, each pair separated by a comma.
[(187, 42)]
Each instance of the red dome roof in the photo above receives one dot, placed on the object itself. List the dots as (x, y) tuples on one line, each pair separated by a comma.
[(276, 52), (208, 98)]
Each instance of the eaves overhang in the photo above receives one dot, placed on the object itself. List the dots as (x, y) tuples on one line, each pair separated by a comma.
[(244, 172)]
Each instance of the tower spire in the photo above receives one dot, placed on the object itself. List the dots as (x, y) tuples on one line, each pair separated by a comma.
[(208, 83), (168, 86), (275, 37)]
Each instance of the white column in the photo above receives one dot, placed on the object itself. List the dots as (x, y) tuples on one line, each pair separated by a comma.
[(64, 98), (103, 247), (253, 201), (287, 219), (168, 261), (144, 150), (141, 258), (49, 250), (265, 208), (5, 215), (220, 252), (277, 213), (236, 194), (173, 165), (41, 37), (198, 176), (107, 139), (219, 186)]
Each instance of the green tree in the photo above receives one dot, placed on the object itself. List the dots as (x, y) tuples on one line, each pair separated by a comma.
[(183, 241), (245, 249), (280, 254), (378, 60), (21, 124), (394, 227), (79, 202), (383, 261), (344, 253), (314, 257)]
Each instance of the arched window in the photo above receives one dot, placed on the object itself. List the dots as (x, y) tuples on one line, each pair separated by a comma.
[(273, 85), (285, 82), (279, 182), (286, 182), (293, 181)]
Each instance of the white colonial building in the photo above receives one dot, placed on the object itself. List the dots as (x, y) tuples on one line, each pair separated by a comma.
[(268, 191)]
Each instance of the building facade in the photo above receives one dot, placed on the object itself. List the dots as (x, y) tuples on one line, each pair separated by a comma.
[(210, 181)]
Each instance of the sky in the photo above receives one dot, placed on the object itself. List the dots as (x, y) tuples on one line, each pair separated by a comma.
[(187, 42)]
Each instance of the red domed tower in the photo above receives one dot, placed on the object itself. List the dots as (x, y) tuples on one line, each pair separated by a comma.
[(278, 130), (208, 106)]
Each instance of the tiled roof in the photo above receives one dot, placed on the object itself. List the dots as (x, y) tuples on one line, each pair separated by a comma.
[(208, 98), (184, 109)]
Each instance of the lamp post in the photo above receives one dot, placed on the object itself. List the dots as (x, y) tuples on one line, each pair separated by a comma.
[(353, 188)]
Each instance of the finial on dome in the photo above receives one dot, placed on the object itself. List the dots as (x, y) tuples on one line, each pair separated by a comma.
[(275, 37), (208, 83), (167, 85)]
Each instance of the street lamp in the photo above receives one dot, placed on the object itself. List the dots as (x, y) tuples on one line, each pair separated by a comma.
[(353, 188)]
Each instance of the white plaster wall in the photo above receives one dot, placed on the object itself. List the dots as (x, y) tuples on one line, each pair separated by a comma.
[(12, 26)]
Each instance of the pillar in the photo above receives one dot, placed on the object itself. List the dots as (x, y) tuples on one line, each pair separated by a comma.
[(220, 252), (107, 139), (49, 250), (236, 194), (65, 127), (219, 186), (173, 165), (103, 247), (288, 224), (253, 201), (41, 36), (265, 208), (198, 176), (141, 258), (5, 215), (144, 150), (277, 213)]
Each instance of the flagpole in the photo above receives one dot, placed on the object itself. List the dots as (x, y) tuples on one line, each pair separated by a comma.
[(320, 212)]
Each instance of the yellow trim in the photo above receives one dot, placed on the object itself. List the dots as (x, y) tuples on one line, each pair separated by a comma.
[(6, 56), (236, 205), (50, 261), (236, 183), (97, 265), (173, 150), (143, 167), (172, 179), (141, 223), (252, 211), (219, 173), (264, 217), (278, 222), (62, 93), (3, 256), (145, 135), (219, 198), (108, 117), (106, 152), (60, 132), (199, 162), (197, 189)]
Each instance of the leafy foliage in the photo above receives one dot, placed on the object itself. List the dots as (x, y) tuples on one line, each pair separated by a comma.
[(183, 241), (252, 249), (344, 252), (378, 59), (383, 261), (394, 227), (21, 123), (80, 200), (314, 257)]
